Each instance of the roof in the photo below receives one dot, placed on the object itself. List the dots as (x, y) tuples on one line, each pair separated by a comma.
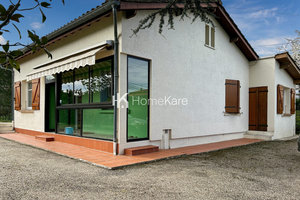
[(287, 63), (221, 15)]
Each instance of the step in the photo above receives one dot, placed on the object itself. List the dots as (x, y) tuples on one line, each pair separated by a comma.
[(45, 138), (262, 135), (141, 150), (6, 128)]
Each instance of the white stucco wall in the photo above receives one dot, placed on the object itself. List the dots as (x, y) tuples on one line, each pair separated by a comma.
[(262, 73), (89, 36), (285, 126), (182, 67)]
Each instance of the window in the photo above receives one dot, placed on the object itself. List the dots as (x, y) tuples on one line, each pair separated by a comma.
[(285, 100), (138, 95), (29, 95), (209, 36), (85, 103), (87, 85), (101, 82), (232, 93)]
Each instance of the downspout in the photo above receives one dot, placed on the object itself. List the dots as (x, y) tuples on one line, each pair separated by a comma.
[(116, 75)]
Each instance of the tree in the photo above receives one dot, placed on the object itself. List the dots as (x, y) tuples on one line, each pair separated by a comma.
[(293, 46), (12, 16)]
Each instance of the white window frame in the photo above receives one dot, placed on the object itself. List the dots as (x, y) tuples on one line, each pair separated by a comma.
[(286, 101), (29, 96), (209, 32)]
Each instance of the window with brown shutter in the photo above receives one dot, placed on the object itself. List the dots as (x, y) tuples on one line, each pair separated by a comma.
[(280, 96), (293, 101), (232, 102), (18, 96), (36, 94)]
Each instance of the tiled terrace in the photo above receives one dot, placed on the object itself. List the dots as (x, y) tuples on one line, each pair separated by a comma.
[(110, 161)]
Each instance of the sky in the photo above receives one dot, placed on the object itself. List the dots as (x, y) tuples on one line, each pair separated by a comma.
[(265, 23)]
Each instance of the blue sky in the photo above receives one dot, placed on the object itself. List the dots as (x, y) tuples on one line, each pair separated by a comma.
[(265, 23)]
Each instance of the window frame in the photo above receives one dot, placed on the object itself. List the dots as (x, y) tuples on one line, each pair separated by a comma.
[(29, 106), (81, 106), (90, 104), (286, 101), (210, 36), (149, 88)]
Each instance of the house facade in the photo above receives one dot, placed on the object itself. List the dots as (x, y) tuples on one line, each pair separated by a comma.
[(184, 87)]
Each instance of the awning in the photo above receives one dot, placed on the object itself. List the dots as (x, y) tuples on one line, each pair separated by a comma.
[(69, 62)]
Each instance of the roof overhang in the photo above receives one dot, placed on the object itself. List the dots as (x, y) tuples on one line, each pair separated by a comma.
[(289, 65), (221, 16)]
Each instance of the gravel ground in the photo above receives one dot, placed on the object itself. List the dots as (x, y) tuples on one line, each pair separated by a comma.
[(267, 170)]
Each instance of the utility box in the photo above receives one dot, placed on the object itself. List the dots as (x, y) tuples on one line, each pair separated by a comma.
[(165, 141)]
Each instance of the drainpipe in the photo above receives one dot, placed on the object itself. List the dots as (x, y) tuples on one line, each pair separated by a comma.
[(116, 75)]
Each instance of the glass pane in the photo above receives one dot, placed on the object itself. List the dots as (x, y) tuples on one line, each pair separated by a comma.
[(81, 86), (66, 91), (29, 99), (69, 122), (137, 99), (101, 82), (98, 123)]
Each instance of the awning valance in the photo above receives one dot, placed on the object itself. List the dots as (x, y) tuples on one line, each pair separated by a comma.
[(69, 62)]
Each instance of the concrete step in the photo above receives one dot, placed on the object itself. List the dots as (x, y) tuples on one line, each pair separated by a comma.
[(45, 138), (141, 150), (262, 135), (5, 127)]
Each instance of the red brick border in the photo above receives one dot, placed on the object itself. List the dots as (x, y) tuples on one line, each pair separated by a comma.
[(101, 145)]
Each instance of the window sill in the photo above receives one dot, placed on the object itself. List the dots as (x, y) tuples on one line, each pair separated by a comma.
[(213, 48), (286, 115), (26, 111), (232, 114)]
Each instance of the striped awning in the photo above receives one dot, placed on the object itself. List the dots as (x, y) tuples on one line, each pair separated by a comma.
[(69, 62)]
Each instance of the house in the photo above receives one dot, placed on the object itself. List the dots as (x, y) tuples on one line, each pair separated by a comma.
[(186, 87), (272, 97)]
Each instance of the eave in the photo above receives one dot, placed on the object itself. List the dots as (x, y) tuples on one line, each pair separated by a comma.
[(289, 65)]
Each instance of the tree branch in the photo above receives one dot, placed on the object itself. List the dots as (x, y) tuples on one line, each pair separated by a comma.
[(6, 21)]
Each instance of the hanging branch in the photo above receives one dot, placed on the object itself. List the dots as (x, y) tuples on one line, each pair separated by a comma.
[(177, 8)]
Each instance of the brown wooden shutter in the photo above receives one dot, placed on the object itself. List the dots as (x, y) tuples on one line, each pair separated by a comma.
[(35, 94), (232, 102), (18, 96), (280, 92), (293, 101), (253, 109)]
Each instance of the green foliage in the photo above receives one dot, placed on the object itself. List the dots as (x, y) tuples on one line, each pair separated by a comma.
[(12, 15), (5, 95), (177, 8), (298, 116)]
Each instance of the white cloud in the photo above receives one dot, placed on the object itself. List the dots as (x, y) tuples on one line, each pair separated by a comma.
[(268, 46), (2, 40), (36, 25), (264, 13), (269, 41)]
